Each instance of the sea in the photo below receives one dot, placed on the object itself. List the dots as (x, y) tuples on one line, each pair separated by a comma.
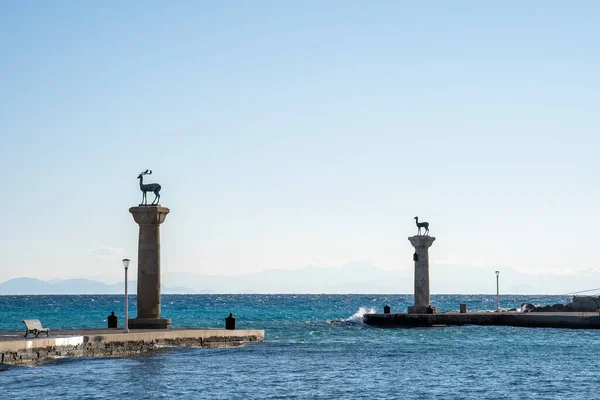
[(316, 347)]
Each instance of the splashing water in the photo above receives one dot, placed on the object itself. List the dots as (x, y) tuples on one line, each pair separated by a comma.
[(354, 319), (357, 317)]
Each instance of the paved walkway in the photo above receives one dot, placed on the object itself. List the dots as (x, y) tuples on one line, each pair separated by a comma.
[(20, 335)]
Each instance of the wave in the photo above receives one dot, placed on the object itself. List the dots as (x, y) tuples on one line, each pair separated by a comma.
[(355, 319), (358, 316)]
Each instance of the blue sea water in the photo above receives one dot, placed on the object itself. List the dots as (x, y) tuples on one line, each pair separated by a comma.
[(315, 347)]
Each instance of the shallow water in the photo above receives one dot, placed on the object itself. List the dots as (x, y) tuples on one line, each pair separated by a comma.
[(315, 347)]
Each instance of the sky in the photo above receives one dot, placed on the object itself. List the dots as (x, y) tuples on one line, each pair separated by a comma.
[(291, 134)]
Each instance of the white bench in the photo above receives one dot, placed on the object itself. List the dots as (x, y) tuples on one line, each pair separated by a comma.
[(35, 326)]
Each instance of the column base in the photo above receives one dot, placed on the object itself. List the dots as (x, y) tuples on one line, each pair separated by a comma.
[(149, 323), (421, 309)]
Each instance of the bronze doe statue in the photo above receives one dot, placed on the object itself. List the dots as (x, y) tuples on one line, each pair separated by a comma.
[(422, 225), (151, 187)]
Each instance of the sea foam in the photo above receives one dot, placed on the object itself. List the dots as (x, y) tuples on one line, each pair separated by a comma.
[(357, 317)]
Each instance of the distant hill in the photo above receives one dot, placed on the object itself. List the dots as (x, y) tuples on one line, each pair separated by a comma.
[(366, 277), (352, 277), (355, 277), (18, 286)]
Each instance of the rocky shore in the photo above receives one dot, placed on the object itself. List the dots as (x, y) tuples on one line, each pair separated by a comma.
[(578, 304)]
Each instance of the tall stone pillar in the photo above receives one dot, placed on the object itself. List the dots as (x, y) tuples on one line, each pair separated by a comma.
[(149, 219), (421, 258)]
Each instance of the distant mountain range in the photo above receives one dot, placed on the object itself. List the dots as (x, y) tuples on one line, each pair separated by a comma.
[(353, 277), (75, 286), (364, 277)]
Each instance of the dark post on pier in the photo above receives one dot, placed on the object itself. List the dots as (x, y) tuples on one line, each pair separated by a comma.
[(113, 320), (230, 322)]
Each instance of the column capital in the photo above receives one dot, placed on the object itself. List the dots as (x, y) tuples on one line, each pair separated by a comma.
[(421, 241), (149, 215)]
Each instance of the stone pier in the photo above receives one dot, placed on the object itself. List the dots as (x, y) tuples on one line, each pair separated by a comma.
[(421, 258), (149, 219), (15, 349), (573, 320)]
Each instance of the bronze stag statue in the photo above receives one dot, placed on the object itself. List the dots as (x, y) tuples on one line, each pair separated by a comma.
[(422, 225), (150, 187)]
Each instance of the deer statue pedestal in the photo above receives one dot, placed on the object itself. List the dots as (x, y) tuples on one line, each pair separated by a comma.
[(149, 219), (421, 258)]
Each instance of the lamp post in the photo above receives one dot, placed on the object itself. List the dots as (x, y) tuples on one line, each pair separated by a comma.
[(126, 265), (497, 291)]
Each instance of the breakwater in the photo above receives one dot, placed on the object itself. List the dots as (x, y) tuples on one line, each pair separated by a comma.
[(15, 349), (589, 320)]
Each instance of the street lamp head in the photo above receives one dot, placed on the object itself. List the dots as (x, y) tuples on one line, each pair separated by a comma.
[(126, 263), (497, 273)]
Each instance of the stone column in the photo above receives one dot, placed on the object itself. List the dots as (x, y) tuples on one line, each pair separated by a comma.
[(149, 219), (421, 245)]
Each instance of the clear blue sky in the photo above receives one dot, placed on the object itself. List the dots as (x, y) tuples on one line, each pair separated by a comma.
[(287, 134)]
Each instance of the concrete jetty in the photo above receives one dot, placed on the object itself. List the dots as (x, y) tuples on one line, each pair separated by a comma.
[(15, 349), (585, 320), (422, 314)]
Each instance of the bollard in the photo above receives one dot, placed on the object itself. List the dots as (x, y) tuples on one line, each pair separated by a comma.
[(463, 308), (387, 309), (113, 320), (230, 322)]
